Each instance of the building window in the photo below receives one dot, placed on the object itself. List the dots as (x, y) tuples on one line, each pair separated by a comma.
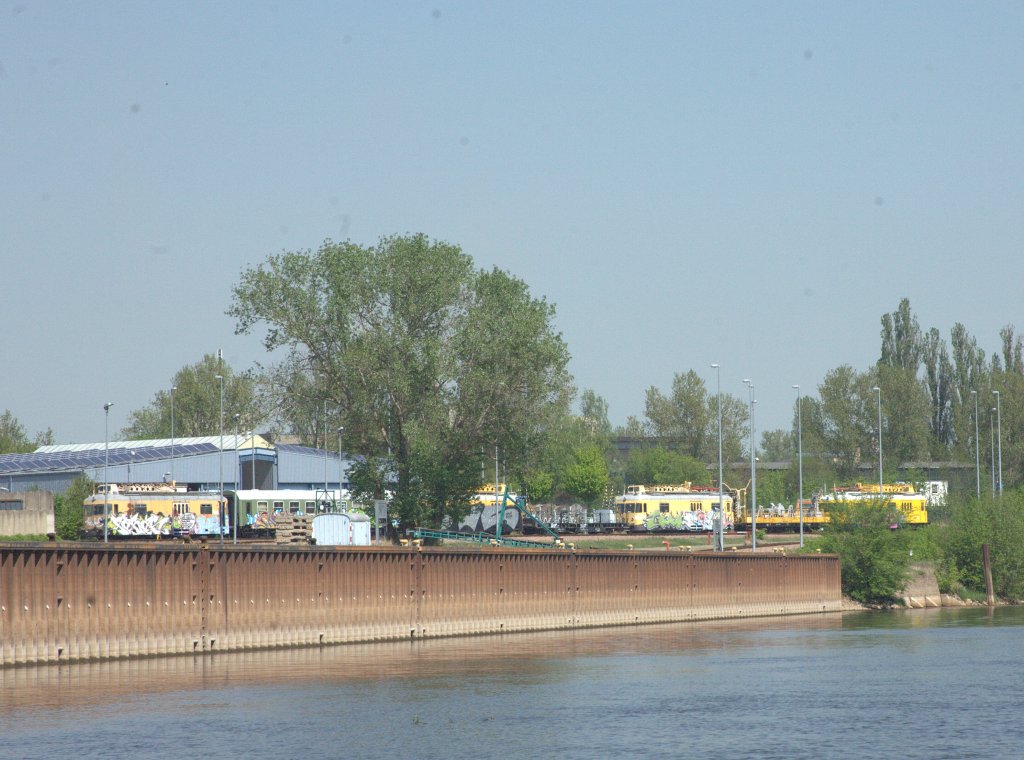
[(14, 505)]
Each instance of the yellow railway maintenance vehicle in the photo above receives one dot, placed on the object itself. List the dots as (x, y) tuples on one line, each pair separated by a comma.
[(912, 504), (682, 507)]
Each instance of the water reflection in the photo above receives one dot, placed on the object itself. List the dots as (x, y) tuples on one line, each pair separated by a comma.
[(59, 686), (921, 684)]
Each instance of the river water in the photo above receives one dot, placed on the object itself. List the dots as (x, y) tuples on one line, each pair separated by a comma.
[(908, 684)]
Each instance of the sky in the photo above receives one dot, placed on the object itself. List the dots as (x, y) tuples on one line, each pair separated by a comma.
[(752, 184)]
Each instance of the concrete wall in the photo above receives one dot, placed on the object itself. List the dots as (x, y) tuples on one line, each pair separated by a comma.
[(60, 604), (26, 513)]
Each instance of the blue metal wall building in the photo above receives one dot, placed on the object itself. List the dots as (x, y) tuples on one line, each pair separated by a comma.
[(198, 463)]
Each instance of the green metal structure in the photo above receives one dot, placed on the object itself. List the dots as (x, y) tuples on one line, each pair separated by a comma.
[(487, 539)]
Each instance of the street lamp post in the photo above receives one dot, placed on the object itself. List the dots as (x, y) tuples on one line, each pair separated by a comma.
[(238, 483), (341, 473), (999, 440), (106, 464), (220, 458), (881, 488), (721, 495), (800, 463), (325, 450), (252, 447), (173, 389), (992, 444), (977, 454), (753, 472)]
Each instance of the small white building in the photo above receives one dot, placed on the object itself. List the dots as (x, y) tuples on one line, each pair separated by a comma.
[(344, 529)]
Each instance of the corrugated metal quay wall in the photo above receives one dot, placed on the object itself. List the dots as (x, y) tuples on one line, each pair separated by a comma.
[(60, 604)]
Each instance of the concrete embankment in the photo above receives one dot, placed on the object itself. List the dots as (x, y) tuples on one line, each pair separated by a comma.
[(62, 603)]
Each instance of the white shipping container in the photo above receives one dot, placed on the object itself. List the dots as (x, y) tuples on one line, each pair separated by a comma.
[(345, 529)]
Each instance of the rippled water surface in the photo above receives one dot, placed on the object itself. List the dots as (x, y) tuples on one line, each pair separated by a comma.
[(914, 684)]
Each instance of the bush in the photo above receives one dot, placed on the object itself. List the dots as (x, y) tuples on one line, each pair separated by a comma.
[(996, 522), (67, 509), (874, 556)]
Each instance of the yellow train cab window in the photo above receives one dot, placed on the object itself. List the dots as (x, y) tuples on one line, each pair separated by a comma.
[(663, 507), (206, 509)]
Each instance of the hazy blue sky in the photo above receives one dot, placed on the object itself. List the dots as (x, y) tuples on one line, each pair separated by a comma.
[(747, 183)]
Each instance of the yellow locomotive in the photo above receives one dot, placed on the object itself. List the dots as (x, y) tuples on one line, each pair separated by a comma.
[(682, 507)]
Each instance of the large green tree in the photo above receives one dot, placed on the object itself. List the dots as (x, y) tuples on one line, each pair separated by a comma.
[(586, 476), (14, 438), (423, 359), (659, 466), (687, 418), (197, 403), (845, 418)]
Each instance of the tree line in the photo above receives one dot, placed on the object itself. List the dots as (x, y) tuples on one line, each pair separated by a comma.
[(425, 366)]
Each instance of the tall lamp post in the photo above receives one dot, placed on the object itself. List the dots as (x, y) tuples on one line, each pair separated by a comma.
[(325, 450), (992, 444), (977, 454), (106, 464), (173, 389), (999, 440), (341, 473), (753, 472), (238, 483), (800, 463), (721, 495), (881, 488), (220, 458)]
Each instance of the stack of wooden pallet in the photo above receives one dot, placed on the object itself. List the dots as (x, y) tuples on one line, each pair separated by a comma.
[(293, 529)]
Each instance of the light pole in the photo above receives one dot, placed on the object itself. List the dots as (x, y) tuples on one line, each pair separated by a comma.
[(237, 469), (721, 495), (800, 463), (106, 464), (252, 446), (325, 450), (992, 443), (341, 474), (131, 460), (173, 389), (977, 454), (220, 458), (881, 488), (999, 440), (238, 456), (753, 472)]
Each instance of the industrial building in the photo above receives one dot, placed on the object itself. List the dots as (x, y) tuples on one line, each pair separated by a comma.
[(197, 464)]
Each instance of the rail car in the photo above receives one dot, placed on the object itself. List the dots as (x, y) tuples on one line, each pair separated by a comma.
[(148, 512), (255, 509), (682, 507), (911, 503)]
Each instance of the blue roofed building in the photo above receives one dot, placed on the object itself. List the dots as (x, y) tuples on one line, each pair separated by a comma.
[(196, 464)]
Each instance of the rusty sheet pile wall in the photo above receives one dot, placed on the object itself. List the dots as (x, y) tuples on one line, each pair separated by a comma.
[(62, 604)]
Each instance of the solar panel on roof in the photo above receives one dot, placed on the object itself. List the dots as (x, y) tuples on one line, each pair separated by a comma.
[(65, 459)]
